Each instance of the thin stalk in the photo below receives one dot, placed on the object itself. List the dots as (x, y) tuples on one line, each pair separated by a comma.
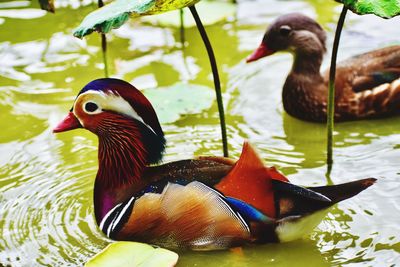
[(217, 83), (104, 45), (104, 49), (331, 94), (182, 29)]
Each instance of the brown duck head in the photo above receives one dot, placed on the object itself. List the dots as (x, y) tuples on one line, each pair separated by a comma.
[(293, 32)]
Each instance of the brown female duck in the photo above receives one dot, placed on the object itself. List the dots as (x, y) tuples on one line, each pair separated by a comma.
[(367, 85)]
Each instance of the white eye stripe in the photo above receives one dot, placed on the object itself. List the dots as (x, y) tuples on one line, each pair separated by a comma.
[(110, 101), (285, 27)]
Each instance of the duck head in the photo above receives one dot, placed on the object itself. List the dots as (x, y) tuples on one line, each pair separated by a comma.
[(130, 135), (294, 33)]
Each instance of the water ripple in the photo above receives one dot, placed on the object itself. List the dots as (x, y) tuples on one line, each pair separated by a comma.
[(47, 181)]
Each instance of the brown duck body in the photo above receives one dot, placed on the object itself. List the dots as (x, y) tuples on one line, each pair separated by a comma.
[(367, 85)]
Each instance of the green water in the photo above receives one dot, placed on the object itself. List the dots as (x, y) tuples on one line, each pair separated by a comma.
[(46, 213)]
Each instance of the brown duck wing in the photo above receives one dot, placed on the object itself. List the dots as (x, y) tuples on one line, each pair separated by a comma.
[(378, 67), (381, 101), (368, 85), (368, 70), (208, 170), (375, 79)]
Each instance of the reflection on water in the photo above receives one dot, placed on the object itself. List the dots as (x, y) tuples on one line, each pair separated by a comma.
[(46, 214)]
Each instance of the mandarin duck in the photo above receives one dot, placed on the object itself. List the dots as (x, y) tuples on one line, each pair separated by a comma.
[(367, 85), (205, 203)]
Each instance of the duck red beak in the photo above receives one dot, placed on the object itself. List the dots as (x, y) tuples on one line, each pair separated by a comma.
[(261, 51), (68, 123)]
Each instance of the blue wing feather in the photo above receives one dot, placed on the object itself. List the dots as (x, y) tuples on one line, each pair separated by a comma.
[(247, 211)]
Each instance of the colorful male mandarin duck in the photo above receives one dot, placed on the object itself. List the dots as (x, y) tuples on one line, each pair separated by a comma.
[(201, 204), (367, 85)]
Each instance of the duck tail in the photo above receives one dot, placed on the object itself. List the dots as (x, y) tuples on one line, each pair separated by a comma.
[(339, 192)]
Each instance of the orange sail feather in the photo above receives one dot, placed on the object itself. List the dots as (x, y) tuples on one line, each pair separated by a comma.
[(250, 181)]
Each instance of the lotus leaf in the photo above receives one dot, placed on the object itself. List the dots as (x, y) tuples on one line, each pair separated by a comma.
[(382, 8), (211, 12), (115, 14), (174, 101), (132, 254)]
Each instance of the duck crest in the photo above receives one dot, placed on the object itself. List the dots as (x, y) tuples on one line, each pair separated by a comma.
[(132, 95)]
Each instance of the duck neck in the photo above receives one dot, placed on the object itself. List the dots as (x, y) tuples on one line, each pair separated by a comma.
[(307, 63), (124, 152), (304, 78), (303, 90)]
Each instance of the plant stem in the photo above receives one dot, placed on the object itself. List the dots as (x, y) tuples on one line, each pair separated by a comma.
[(104, 45), (331, 93), (217, 84), (104, 49), (182, 29)]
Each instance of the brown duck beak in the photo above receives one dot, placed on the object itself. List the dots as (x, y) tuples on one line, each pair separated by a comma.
[(68, 123), (261, 51)]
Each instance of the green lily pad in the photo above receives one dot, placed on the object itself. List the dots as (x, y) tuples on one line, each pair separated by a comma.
[(47, 5), (382, 8), (179, 99), (115, 14), (210, 12), (132, 254)]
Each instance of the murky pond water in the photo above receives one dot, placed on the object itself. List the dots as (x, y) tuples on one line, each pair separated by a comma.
[(46, 213)]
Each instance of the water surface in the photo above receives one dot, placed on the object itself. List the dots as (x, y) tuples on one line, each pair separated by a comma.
[(46, 213)]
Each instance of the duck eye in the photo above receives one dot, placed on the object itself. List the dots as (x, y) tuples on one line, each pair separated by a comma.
[(91, 107), (285, 30)]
